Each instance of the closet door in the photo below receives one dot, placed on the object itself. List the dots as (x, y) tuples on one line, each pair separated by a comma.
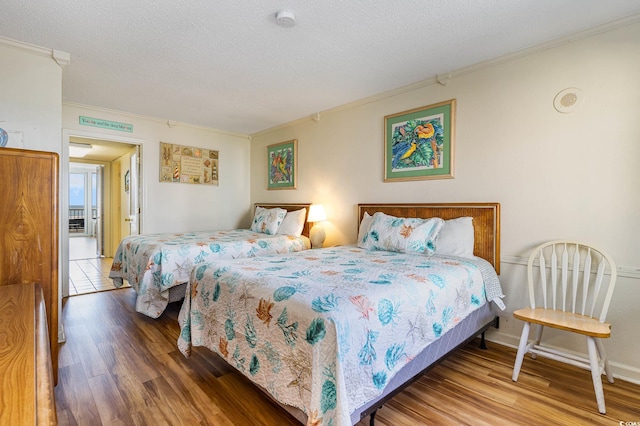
[(29, 228)]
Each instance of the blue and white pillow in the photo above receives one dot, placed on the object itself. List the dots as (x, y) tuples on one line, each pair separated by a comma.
[(404, 235), (267, 221), (363, 229)]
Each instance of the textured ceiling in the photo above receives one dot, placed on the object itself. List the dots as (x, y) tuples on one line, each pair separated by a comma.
[(227, 65)]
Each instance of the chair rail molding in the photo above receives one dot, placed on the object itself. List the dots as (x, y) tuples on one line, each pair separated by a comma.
[(623, 271)]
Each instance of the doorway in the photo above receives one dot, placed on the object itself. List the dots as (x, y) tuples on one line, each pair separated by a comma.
[(85, 209), (93, 207)]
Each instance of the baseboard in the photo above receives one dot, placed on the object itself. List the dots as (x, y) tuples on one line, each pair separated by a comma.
[(619, 371)]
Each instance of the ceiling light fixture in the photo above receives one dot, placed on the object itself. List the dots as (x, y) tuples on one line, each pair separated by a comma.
[(285, 19), (79, 150)]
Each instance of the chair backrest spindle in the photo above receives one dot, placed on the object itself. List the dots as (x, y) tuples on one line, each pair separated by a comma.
[(543, 278), (575, 276), (565, 275), (554, 276), (598, 284), (585, 292), (586, 276)]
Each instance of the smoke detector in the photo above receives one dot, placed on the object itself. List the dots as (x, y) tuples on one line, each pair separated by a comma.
[(285, 19)]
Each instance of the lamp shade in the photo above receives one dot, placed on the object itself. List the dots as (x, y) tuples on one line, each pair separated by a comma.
[(316, 213)]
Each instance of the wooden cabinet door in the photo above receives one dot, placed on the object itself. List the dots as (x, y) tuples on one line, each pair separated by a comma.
[(29, 228)]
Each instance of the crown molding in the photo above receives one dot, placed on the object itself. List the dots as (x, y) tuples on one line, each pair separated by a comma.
[(60, 57), (168, 122)]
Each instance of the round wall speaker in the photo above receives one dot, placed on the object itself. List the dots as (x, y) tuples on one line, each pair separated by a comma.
[(568, 100)]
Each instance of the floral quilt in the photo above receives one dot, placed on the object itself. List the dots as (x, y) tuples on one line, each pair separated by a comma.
[(325, 330), (154, 263)]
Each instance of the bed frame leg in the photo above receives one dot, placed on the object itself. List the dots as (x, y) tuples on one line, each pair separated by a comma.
[(483, 343), (372, 418)]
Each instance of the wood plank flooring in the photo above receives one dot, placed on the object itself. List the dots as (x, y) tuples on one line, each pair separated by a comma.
[(119, 367)]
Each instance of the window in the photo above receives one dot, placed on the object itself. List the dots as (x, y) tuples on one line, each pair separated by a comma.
[(77, 196)]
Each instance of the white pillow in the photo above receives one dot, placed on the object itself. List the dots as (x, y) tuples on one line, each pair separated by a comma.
[(293, 223), (267, 221), (365, 224), (456, 238)]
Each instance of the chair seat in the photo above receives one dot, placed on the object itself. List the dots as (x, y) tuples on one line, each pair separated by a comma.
[(565, 321)]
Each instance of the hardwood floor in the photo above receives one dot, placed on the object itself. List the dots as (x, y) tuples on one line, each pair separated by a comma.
[(119, 367)]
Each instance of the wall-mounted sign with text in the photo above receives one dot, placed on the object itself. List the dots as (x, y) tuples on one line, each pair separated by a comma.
[(106, 124)]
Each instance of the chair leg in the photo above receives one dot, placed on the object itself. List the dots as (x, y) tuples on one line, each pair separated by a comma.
[(522, 349), (596, 373), (605, 360), (538, 338)]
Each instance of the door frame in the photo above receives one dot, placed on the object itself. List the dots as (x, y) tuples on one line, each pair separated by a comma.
[(63, 229)]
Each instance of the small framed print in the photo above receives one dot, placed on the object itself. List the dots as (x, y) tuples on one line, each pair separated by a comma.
[(127, 181)]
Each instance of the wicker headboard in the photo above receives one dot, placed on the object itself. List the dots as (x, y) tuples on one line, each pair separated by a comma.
[(289, 208), (486, 221)]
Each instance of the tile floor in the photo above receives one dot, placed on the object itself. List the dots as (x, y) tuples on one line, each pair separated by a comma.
[(88, 274)]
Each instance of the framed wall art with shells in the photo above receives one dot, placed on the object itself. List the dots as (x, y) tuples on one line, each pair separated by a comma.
[(187, 164)]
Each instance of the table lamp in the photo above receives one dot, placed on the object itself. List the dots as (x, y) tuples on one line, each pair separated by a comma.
[(316, 216)]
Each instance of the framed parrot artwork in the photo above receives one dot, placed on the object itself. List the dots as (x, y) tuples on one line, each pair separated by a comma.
[(282, 165), (419, 143)]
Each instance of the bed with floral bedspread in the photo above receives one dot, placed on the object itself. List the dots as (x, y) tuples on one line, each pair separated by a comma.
[(155, 263), (325, 330)]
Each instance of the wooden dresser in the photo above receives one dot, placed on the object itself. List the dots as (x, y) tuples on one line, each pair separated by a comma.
[(26, 377), (29, 229)]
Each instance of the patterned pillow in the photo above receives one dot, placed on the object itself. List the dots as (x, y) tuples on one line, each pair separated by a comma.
[(405, 235), (267, 221), (363, 230)]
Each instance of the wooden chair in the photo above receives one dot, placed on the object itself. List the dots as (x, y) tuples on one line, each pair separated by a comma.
[(572, 301)]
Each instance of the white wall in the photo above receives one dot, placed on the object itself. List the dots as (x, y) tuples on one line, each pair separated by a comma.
[(30, 105), (30, 96), (556, 175), (176, 207)]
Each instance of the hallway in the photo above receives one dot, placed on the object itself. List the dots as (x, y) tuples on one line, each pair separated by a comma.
[(87, 272)]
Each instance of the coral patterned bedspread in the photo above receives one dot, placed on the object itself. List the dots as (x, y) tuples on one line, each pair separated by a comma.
[(325, 330), (154, 263)]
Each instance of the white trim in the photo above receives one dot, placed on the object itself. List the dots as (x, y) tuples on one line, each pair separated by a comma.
[(169, 123), (623, 271), (62, 58)]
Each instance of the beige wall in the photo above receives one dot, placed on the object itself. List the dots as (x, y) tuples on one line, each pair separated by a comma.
[(556, 175), (176, 207)]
